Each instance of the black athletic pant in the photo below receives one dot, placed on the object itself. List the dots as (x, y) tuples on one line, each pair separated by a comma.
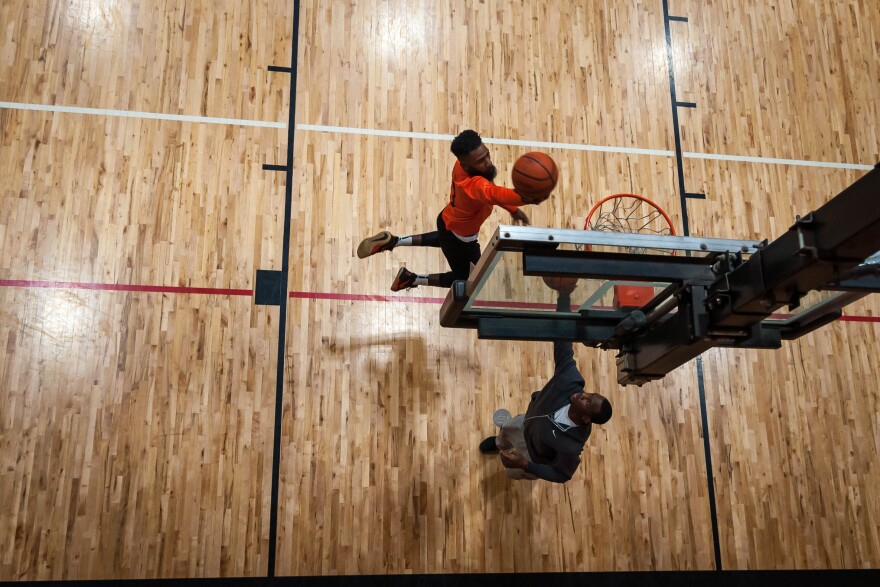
[(458, 254)]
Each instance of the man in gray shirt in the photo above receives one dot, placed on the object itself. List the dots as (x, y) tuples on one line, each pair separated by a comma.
[(546, 441)]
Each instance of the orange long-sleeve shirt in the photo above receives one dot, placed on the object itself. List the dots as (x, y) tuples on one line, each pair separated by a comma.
[(471, 199)]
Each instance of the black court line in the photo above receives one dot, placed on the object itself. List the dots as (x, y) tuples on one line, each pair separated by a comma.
[(282, 320), (781, 578), (678, 158), (280, 68), (684, 195), (270, 167), (713, 512)]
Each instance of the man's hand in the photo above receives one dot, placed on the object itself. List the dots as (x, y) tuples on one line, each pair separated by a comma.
[(513, 460), (519, 217)]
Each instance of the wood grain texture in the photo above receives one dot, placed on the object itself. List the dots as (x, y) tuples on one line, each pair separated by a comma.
[(136, 434), (195, 57), (136, 429), (548, 71), (781, 79), (796, 452), (129, 201), (381, 462)]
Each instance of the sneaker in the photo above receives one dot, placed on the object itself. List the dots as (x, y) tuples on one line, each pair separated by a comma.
[(384, 241), (489, 446), (405, 279), (501, 417)]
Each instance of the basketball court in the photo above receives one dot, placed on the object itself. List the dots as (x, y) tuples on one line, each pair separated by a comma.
[(199, 378)]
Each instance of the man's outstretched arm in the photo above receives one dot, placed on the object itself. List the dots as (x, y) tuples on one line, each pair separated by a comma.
[(563, 353), (559, 472)]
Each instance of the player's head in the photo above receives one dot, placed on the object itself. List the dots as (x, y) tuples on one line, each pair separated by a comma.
[(473, 155), (591, 407)]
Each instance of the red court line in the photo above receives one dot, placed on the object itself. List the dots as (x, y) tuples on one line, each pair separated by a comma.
[(308, 295), (312, 295), (859, 318), (123, 287)]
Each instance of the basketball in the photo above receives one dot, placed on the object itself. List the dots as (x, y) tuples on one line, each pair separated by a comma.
[(535, 174), (561, 284)]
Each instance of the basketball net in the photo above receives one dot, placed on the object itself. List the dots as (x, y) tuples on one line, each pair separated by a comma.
[(632, 214)]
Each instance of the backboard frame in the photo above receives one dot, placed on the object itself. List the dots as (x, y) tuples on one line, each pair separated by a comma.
[(720, 292)]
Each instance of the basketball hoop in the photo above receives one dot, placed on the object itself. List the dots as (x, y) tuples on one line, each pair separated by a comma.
[(633, 214), (629, 213)]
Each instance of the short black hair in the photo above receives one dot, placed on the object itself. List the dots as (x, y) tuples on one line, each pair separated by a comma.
[(465, 142), (604, 413)]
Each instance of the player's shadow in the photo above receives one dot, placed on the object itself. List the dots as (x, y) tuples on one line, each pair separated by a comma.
[(393, 370), (410, 448), (416, 440)]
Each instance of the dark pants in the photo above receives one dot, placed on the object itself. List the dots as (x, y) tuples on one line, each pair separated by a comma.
[(458, 254)]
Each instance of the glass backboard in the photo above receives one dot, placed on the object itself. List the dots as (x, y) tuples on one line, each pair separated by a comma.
[(502, 285), (505, 284)]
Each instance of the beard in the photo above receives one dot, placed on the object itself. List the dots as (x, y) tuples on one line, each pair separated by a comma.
[(489, 174)]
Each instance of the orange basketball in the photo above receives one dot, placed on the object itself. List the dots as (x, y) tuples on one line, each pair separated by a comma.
[(535, 174), (561, 284)]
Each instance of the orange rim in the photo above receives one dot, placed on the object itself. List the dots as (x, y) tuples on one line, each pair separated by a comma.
[(636, 196)]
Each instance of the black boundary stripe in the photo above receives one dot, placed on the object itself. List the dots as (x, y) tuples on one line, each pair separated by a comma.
[(713, 513), (678, 157), (282, 319), (684, 195), (282, 322), (779, 578)]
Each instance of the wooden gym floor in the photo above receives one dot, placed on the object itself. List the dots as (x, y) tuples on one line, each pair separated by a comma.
[(138, 379)]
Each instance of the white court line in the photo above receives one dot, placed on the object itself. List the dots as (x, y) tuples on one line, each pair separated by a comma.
[(576, 147), (488, 141), (419, 135), (146, 115), (774, 161)]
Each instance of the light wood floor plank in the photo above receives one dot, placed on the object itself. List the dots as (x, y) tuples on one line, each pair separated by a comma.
[(136, 428)]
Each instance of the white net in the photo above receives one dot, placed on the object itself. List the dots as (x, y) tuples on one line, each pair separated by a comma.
[(629, 213)]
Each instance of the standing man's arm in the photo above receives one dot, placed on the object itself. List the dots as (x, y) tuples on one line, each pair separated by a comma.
[(563, 352), (560, 471)]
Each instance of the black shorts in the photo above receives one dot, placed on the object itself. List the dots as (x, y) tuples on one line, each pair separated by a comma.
[(460, 255)]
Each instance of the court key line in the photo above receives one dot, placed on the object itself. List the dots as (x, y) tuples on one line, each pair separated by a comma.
[(284, 273), (144, 115), (33, 284), (421, 135), (579, 147), (300, 295)]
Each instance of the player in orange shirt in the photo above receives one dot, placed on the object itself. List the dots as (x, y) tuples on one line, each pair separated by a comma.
[(471, 198)]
